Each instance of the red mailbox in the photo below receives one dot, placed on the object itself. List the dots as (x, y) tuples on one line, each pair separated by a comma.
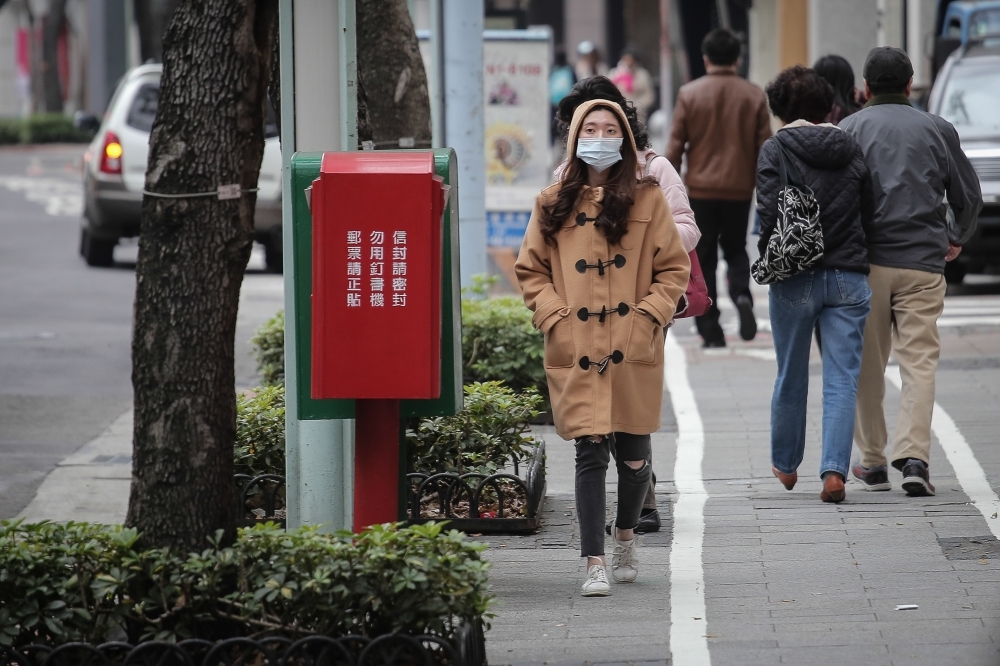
[(376, 304), (377, 276)]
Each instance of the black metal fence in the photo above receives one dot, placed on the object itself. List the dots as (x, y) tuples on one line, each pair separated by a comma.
[(485, 500), (467, 649), (260, 499), (509, 503)]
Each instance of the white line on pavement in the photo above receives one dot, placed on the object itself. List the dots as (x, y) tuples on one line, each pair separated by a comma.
[(970, 473), (688, 623)]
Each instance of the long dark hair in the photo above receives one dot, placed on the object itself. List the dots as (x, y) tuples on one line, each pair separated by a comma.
[(619, 194), (599, 87), (836, 71)]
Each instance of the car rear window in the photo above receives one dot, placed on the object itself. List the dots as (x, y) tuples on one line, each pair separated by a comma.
[(143, 110)]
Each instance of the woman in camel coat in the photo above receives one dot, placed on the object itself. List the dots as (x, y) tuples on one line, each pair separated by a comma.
[(602, 267)]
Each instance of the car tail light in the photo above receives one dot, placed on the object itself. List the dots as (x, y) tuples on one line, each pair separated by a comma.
[(111, 155)]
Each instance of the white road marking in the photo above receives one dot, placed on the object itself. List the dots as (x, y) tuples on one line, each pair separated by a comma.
[(688, 623), (970, 473), (60, 197)]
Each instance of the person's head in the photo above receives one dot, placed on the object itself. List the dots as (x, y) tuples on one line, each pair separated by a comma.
[(560, 57), (595, 124), (887, 71), (836, 71), (599, 87), (799, 92), (587, 51), (629, 59), (721, 47)]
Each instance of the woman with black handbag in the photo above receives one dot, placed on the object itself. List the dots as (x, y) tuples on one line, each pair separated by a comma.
[(815, 202)]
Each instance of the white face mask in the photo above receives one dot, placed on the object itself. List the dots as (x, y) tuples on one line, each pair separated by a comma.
[(599, 153)]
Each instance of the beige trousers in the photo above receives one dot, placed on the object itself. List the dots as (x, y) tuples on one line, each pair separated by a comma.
[(905, 307)]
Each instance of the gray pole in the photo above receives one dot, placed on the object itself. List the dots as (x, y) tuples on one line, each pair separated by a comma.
[(464, 125), (666, 68), (318, 113), (436, 75)]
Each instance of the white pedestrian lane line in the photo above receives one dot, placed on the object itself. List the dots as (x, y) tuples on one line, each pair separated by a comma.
[(688, 622), (59, 197), (970, 473)]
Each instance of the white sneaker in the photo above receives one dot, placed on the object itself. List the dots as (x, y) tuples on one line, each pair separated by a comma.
[(624, 561), (596, 584)]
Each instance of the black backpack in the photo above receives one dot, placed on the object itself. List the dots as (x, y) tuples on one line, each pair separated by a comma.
[(796, 244)]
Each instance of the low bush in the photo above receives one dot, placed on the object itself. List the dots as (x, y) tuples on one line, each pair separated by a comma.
[(82, 582), (260, 431), (52, 128), (11, 131), (484, 437), (269, 345), (499, 343)]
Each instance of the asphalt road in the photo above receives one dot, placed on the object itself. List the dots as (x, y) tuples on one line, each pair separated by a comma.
[(65, 367)]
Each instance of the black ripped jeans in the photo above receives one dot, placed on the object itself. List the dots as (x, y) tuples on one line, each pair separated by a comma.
[(592, 460)]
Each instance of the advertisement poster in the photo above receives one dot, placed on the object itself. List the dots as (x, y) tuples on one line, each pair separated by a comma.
[(517, 132)]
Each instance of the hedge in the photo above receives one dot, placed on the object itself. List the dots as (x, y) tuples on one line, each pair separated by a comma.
[(70, 582)]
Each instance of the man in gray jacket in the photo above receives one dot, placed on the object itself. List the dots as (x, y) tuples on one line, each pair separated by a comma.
[(918, 171)]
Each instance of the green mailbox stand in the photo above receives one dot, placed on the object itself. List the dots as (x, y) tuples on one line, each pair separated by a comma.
[(305, 168)]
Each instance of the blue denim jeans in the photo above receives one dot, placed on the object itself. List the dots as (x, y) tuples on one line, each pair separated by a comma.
[(839, 300)]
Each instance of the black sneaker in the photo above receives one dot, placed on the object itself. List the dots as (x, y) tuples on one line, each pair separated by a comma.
[(875, 477), (917, 478), (713, 343), (649, 521), (748, 323)]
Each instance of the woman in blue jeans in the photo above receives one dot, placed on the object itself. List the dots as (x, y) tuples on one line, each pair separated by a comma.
[(834, 292)]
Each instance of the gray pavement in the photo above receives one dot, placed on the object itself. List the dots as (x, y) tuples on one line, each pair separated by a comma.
[(787, 578)]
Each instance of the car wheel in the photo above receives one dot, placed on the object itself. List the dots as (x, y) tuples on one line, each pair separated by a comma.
[(96, 251), (954, 272), (272, 254)]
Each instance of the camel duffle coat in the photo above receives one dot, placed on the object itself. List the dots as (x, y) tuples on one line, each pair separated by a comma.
[(603, 356)]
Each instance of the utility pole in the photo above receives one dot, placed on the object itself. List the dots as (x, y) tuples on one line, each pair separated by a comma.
[(463, 125), (319, 113)]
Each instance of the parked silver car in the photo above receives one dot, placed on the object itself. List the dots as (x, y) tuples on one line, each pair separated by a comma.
[(114, 173), (966, 93)]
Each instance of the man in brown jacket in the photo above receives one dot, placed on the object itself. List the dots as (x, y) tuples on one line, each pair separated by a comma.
[(721, 121)]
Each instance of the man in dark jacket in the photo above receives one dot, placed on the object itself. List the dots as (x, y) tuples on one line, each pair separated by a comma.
[(720, 122), (919, 171)]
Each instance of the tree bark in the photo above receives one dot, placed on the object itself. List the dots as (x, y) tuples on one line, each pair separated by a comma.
[(152, 17), (209, 131), (52, 25), (392, 74)]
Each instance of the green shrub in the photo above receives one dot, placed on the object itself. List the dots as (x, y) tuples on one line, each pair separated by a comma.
[(269, 344), (51, 128), (483, 437), (260, 431), (11, 131), (500, 344), (81, 582)]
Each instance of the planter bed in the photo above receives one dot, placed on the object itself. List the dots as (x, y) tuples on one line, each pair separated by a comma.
[(468, 648), (477, 503)]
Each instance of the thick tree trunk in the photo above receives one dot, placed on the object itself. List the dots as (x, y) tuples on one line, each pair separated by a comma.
[(52, 25), (152, 17), (209, 131), (392, 74)]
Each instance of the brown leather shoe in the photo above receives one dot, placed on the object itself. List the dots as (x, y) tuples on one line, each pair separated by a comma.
[(787, 480), (833, 488)]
